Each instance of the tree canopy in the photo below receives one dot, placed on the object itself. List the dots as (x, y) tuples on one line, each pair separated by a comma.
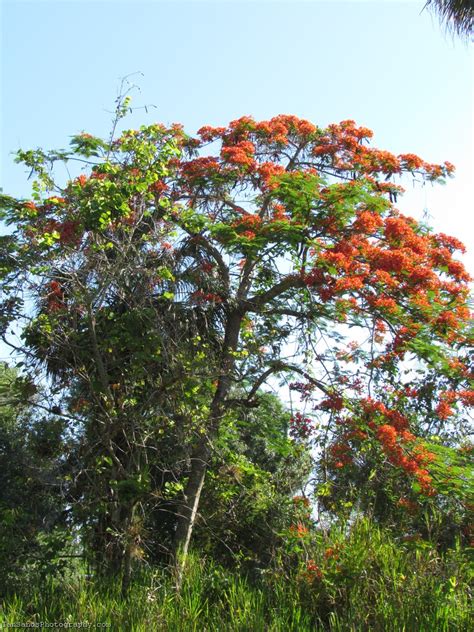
[(166, 284)]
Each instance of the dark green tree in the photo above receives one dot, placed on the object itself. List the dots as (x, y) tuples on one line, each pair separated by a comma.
[(35, 538)]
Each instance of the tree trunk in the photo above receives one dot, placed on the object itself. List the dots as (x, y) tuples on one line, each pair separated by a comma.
[(188, 510), (113, 544), (127, 551), (106, 546), (199, 460)]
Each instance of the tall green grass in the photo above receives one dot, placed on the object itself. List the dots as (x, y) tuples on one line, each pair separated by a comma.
[(366, 580)]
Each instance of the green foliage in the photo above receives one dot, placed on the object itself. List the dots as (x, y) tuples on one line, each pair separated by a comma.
[(363, 575), (247, 503), (33, 533)]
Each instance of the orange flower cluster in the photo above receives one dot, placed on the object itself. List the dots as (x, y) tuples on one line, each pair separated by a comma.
[(203, 167), (466, 397), (268, 171), (53, 202), (279, 213), (208, 133), (333, 402), (312, 571), (332, 552), (392, 269), (398, 443), (444, 409), (409, 505), (199, 296), (158, 187), (241, 153), (367, 222), (69, 232), (299, 530), (99, 176), (371, 407), (348, 283), (342, 145), (411, 161), (249, 221), (392, 442), (460, 367), (55, 297), (340, 454), (301, 500), (300, 426), (451, 243), (276, 131)]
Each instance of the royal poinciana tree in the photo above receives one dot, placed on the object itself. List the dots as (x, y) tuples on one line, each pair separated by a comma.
[(178, 274)]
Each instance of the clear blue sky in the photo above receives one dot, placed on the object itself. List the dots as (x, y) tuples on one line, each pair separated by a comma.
[(387, 65)]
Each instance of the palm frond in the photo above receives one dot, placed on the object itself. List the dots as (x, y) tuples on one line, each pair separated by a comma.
[(457, 15)]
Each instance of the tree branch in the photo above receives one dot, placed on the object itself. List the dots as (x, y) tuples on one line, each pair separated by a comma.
[(215, 254), (255, 303), (277, 367), (293, 312)]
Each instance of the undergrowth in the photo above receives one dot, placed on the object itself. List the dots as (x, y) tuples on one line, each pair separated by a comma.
[(364, 579)]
